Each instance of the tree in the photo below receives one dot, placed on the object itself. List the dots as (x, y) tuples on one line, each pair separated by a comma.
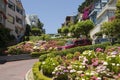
[(116, 27), (28, 30), (116, 22), (65, 30), (84, 27), (72, 29), (117, 15), (40, 24), (36, 31), (59, 31), (107, 28), (5, 37)]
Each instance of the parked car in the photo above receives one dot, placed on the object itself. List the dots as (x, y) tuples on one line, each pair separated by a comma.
[(75, 43), (102, 40)]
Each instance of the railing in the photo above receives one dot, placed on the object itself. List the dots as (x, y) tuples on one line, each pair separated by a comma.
[(107, 7)]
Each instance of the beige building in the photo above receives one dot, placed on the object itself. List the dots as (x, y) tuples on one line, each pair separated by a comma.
[(14, 17)]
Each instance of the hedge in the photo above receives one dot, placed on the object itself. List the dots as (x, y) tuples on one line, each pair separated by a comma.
[(37, 54), (36, 72), (76, 49)]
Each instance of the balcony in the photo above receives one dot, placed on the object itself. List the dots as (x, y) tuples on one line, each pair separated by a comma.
[(110, 6), (2, 8)]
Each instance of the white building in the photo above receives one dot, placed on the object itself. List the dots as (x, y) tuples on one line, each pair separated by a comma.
[(104, 15), (32, 19)]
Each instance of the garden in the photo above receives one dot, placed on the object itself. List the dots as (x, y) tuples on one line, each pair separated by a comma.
[(101, 62), (34, 47)]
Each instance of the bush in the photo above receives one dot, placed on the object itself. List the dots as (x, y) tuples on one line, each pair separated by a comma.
[(15, 50), (43, 57), (37, 54), (5, 36), (80, 49), (48, 66), (69, 56), (76, 55), (21, 48), (36, 72), (3, 51)]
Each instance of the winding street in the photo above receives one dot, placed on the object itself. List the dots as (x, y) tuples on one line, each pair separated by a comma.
[(15, 70)]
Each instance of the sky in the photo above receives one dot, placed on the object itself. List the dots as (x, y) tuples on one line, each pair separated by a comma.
[(52, 13)]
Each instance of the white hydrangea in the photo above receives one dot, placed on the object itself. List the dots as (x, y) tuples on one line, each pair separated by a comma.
[(79, 72), (72, 71), (113, 64), (105, 63)]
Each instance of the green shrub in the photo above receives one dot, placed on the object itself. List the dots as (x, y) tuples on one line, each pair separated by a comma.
[(42, 57), (5, 36), (80, 49), (15, 50), (37, 54), (76, 55), (36, 72), (48, 66), (69, 56), (59, 59), (51, 55)]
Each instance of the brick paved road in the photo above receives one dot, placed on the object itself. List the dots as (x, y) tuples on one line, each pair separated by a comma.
[(15, 70)]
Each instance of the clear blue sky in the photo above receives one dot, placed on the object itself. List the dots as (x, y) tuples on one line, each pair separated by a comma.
[(51, 13)]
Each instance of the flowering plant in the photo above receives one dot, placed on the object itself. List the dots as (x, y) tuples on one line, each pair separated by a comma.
[(48, 66), (89, 65), (61, 72), (89, 54)]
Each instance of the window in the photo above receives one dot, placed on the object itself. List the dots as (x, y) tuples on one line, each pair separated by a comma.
[(11, 5), (111, 13), (19, 10), (98, 4), (103, 4), (104, 1), (1, 18), (10, 19), (18, 20)]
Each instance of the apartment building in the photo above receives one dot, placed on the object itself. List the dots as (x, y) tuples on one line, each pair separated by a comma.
[(104, 10), (12, 16), (68, 19), (3, 4)]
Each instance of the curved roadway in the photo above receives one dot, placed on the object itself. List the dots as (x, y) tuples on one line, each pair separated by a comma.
[(15, 70)]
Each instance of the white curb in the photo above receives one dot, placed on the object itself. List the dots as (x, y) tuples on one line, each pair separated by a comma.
[(27, 74)]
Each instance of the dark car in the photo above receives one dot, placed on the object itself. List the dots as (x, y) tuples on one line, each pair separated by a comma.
[(75, 43)]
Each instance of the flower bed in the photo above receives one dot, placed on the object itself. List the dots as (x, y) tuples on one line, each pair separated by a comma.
[(21, 48), (36, 48), (89, 65), (72, 51), (37, 74)]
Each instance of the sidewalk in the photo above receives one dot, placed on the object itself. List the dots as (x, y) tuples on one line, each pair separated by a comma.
[(4, 59)]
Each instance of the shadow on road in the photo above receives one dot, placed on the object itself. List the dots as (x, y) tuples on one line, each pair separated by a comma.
[(3, 61)]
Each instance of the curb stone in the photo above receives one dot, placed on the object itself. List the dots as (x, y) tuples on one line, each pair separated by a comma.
[(15, 58), (28, 74)]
